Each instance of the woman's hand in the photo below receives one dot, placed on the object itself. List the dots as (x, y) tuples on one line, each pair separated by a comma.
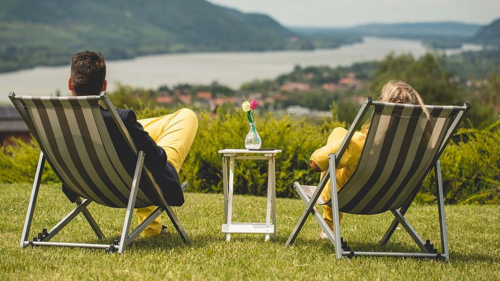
[(314, 166)]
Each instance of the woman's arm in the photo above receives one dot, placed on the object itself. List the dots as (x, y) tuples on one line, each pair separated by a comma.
[(319, 159)]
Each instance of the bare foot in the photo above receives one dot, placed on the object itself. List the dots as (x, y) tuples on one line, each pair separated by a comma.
[(322, 236), (314, 166)]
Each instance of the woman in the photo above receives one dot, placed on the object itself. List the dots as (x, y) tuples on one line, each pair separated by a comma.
[(393, 91)]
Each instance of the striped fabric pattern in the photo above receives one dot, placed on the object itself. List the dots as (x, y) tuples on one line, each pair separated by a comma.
[(400, 148), (73, 137)]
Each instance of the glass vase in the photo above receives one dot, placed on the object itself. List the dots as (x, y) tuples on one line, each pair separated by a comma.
[(253, 140)]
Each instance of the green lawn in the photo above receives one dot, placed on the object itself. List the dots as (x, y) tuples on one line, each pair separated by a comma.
[(473, 234)]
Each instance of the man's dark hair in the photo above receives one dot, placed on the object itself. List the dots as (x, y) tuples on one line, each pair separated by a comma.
[(88, 71)]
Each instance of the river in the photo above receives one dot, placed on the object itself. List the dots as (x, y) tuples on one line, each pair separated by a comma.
[(231, 69)]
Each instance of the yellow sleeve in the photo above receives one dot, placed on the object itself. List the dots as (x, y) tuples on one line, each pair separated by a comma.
[(351, 154)]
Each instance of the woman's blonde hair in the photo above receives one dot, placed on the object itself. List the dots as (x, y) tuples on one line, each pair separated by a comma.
[(400, 92)]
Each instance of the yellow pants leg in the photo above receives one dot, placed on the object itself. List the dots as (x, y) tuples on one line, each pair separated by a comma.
[(326, 194), (175, 134)]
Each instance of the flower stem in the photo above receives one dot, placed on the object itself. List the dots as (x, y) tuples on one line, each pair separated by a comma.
[(249, 116)]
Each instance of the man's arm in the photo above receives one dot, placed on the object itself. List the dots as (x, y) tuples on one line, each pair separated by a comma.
[(156, 158)]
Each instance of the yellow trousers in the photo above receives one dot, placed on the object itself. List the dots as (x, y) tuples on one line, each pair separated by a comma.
[(175, 134)]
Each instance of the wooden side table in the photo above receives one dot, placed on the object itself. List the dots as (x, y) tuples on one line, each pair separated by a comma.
[(231, 155)]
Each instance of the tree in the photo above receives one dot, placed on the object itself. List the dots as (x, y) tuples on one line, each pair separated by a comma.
[(134, 98), (493, 92), (428, 75)]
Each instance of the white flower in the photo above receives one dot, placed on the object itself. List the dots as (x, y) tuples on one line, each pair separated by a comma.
[(245, 106)]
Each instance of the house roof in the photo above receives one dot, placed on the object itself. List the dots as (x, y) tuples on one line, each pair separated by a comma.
[(10, 120)]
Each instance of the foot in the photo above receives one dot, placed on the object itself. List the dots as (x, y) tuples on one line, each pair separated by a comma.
[(322, 236)]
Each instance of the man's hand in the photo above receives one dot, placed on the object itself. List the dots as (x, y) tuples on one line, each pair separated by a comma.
[(314, 166)]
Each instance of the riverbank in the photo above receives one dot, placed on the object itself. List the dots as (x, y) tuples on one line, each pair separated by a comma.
[(231, 69)]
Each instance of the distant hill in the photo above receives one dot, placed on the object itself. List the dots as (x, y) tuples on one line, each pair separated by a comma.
[(402, 30), (34, 32), (419, 30), (433, 34), (489, 34)]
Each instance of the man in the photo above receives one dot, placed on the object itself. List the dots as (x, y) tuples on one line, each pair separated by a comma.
[(165, 140)]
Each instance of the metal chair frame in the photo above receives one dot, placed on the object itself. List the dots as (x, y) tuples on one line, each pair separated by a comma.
[(127, 236), (341, 247)]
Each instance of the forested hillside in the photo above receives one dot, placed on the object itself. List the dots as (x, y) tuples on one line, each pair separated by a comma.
[(47, 32), (489, 34)]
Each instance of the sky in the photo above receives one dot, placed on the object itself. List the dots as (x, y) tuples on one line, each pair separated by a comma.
[(342, 13)]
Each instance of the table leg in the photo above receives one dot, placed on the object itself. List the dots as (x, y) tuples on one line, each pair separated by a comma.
[(230, 197), (273, 166), (269, 195), (224, 185)]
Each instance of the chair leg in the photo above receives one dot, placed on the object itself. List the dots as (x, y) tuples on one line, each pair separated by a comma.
[(324, 226), (124, 240), (177, 224), (91, 221), (81, 206), (442, 220), (32, 202), (335, 207), (299, 225), (395, 223), (309, 208), (410, 230)]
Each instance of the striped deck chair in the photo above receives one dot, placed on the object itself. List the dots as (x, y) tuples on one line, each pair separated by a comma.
[(75, 141), (401, 148)]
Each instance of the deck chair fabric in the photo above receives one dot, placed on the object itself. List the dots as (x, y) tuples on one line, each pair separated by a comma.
[(401, 147), (74, 139)]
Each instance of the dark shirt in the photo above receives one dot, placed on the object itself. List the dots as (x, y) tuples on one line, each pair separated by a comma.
[(155, 158)]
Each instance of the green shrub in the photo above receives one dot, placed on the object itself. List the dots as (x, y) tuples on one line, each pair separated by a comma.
[(470, 164), (297, 138), (470, 168), (18, 163)]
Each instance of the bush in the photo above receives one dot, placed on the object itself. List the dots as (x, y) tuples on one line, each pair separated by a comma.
[(470, 164), (297, 138), (470, 168), (18, 163)]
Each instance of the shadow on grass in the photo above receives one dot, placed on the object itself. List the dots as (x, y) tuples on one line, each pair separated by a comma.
[(171, 240), (325, 247), (472, 257)]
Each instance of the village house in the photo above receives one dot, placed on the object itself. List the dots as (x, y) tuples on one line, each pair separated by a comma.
[(351, 81), (329, 87), (185, 99), (294, 86), (165, 100), (204, 95)]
